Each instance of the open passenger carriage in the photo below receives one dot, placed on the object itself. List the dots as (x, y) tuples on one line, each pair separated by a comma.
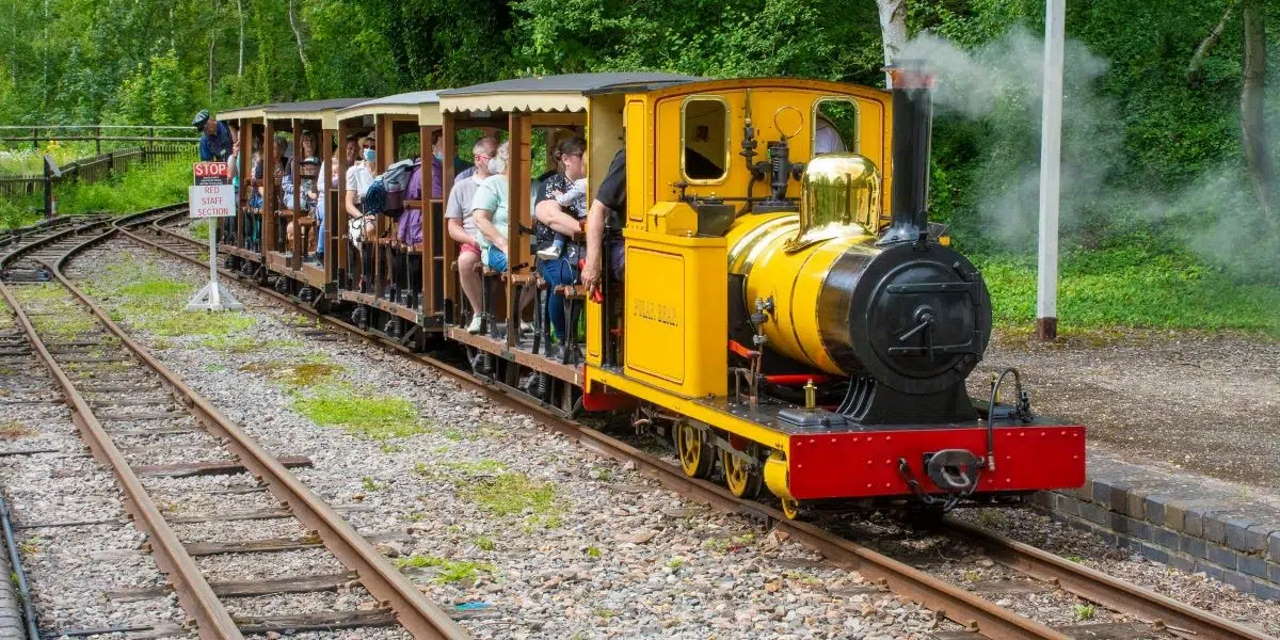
[(396, 288), (534, 113), (290, 231), (271, 234)]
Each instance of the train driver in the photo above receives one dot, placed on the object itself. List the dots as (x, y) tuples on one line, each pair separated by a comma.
[(610, 196), (215, 137)]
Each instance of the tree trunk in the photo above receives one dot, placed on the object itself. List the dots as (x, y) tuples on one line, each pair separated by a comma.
[(297, 34), (893, 31), (213, 41), (1194, 68), (240, 14), (1252, 123)]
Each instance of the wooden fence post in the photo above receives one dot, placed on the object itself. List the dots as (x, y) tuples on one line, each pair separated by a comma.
[(48, 190), (97, 140)]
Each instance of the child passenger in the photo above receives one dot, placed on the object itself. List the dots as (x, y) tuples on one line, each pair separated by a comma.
[(575, 200)]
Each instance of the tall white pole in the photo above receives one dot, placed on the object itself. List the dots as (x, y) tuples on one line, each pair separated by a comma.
[(1050, 171)]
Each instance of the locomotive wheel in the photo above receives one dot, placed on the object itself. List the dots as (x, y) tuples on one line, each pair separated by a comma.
[(743, 479), (790, 508), (695, 455)]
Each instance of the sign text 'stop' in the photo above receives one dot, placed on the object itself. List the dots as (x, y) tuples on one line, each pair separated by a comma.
[(211, 173)]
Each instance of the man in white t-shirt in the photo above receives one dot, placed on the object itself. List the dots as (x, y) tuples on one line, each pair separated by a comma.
[(359, 177), (462, 225)]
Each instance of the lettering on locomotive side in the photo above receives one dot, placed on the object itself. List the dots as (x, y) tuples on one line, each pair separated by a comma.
[(657, 312)]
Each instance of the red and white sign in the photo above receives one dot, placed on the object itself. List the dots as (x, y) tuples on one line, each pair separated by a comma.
[(212, 200), (211, 172)]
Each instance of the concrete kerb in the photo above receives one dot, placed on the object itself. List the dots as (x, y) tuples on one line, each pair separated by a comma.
[(1192, 524)]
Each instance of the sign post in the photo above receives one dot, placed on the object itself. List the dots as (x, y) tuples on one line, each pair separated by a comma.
[(213, 197)]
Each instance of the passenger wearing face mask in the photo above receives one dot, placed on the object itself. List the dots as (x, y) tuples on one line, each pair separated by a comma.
[(461, 168), (359, 177)]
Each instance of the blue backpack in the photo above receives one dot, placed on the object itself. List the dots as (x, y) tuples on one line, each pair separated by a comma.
[(386, 194)]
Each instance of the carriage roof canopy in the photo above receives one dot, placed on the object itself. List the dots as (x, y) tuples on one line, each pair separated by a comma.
[(323, 110), (423, 104), (566, 92), (252, 111)]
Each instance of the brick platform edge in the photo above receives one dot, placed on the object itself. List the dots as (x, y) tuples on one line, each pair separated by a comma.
[(11, 625), (1189, 522)]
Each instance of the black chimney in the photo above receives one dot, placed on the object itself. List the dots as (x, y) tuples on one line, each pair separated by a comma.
[(912, 131)]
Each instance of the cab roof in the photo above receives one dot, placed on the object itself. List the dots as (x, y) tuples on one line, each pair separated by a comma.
[(567, 92)]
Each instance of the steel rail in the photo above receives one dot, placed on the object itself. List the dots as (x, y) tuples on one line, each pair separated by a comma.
[(956, 604), (197, 597), (412, 609), (1103, 589), (18, 573)]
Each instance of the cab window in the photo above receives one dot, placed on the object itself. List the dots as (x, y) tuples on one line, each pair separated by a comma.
[(835, 126), (705, 136)]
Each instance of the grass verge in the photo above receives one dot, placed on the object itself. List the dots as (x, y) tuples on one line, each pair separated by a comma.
[(362, 414), (1132, 283)]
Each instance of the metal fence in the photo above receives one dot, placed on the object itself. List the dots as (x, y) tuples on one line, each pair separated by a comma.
[(96, 133)]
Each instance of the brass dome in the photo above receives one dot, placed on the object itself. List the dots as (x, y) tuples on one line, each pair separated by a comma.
[(841, 197)]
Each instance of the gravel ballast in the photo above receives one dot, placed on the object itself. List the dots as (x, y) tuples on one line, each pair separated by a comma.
[(587, 548)]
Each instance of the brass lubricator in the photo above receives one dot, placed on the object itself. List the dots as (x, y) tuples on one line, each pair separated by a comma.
[(779, 169)]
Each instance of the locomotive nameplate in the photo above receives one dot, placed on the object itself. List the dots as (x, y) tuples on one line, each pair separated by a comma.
[(655, 333)]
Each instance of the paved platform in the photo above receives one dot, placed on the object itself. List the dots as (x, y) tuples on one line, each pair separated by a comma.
[(1184, 435)]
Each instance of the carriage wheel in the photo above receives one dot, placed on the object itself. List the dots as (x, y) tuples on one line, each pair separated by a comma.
[(695, 455)]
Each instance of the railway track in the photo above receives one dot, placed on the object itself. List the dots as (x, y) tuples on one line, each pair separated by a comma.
[(147, 426), (1147, 614)]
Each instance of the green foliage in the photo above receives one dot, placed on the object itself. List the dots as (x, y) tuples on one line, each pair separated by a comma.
[(1132, 281), (1085, 612), (155, 92), (824, 39), (135, 190)]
